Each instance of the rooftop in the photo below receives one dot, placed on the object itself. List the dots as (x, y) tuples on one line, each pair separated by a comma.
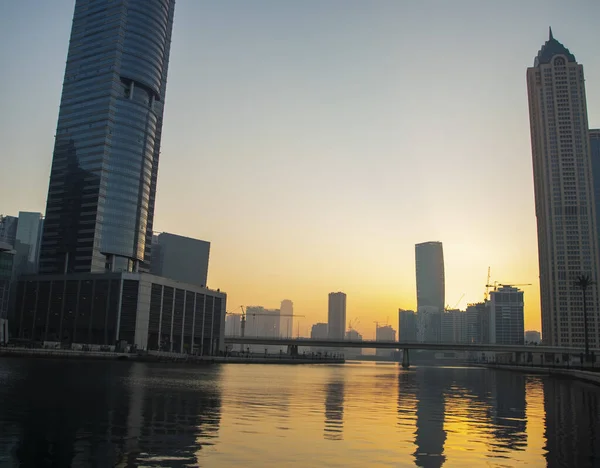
[(550, 49)]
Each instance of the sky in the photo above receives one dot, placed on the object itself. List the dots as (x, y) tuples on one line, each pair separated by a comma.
[(314, 143)]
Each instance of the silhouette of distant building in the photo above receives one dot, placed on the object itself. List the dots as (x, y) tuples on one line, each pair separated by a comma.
[(506, 316), (429, 262), (407, 325), (336, 317), (533, 336), (454, 326), (286, 324), (564, 195), (385, 333)]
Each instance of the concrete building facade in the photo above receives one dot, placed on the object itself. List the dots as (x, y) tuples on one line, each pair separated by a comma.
[(385, 333), (336, 316), (564, 196), (120, 309), (454, 326), (407, 325), (506, 316)]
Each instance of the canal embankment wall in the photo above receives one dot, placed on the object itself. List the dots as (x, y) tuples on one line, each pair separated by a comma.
[(588, 376), (158, 356)]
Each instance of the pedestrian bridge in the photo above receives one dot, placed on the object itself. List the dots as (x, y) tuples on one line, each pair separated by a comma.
[(295, 343)]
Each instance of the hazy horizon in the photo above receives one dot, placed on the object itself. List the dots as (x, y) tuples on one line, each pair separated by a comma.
[(314, 144)]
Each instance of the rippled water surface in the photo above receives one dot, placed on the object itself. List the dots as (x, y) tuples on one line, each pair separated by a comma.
[(66, 413)]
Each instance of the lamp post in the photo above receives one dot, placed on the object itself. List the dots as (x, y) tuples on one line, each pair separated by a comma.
[(583, 282)]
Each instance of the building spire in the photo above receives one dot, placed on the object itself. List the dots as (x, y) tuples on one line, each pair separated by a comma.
[(550, 33)]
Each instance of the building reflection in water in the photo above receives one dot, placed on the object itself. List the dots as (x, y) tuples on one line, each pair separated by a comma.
[(572, 424), (430, 434), (334, 407), (508, 410), (113, 414)]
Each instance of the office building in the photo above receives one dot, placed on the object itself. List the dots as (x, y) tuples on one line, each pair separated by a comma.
[(286, 325), (349, 353), (180, 258), (478, 323), (407, 325), (336, 316), (28, 238), (454, 326), (506, 316), (564, 196), (233, 325), (429, 263), (595, 155), (533, 336), (100, 206), (319, 331), (7, 255), (385, 333), (120, 309), (8, 229), (262, 322)]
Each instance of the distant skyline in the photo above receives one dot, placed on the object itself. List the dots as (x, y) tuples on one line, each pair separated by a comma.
[(322, 141)]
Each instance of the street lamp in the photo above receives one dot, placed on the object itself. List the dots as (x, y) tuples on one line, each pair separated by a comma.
[(583, 282)]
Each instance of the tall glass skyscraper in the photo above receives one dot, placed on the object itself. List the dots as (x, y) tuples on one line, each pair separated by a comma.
[(100, 206)]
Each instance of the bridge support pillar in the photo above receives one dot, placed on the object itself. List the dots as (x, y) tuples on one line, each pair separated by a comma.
[(405, 359), (293, 350)]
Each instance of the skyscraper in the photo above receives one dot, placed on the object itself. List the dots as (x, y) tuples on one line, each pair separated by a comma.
[(286, 326), (100, 206), (506, 316), (336, 316), (429, 262), (595, 152), (564, 198)]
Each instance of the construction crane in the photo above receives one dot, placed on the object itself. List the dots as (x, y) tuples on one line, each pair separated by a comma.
[(496, 284), (254, 314), (487, 290), (457, 302), (352, 324)]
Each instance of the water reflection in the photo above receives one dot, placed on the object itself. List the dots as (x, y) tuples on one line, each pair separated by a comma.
[(334, 407), (430, 434), (572, 415), (67, 413), (115, 414)]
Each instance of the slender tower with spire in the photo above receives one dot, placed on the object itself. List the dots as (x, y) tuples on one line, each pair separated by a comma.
[(564, 197)]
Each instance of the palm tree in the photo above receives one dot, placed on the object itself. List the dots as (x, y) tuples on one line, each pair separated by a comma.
[(583, 282)]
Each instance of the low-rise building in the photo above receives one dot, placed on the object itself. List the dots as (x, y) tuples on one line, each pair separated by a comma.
[(120, 309)]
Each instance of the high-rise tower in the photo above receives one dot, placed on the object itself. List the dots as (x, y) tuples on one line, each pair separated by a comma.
[(100, 206), (336, 316), (564, 198), (429, 263)]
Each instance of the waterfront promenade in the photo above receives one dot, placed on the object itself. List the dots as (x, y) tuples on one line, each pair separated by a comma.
[(161, 356)]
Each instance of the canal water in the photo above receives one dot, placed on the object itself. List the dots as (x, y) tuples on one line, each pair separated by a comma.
[(74, 413)]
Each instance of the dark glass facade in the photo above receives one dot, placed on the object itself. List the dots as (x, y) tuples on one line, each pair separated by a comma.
[(100, 206), (107, 309)]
